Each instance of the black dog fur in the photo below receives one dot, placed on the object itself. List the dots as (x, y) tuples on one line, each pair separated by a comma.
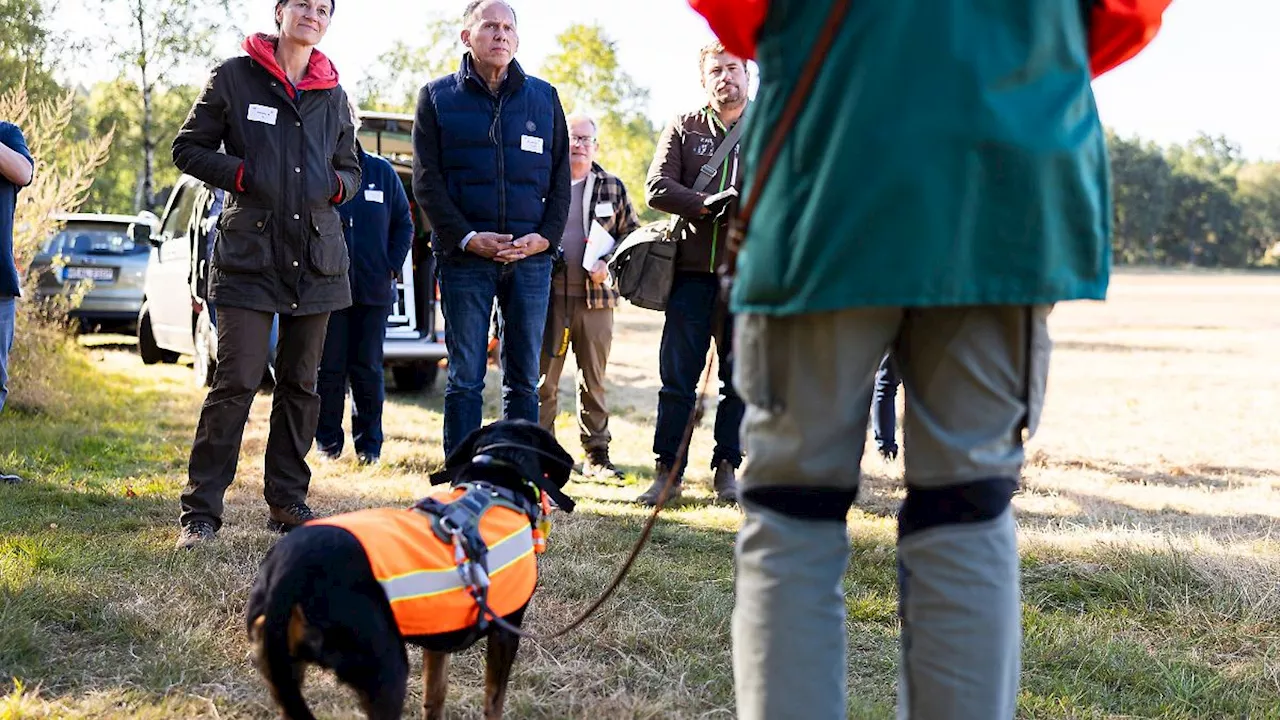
[(316, 600)]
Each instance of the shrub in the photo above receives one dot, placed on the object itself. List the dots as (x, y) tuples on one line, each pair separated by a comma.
[(64, 171)]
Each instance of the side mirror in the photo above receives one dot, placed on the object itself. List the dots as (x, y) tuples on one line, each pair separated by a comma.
[(141, 234)]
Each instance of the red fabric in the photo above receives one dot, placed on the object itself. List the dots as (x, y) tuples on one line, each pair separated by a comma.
[(321, 74), (337, 199), (1120, 29), (240, 179), (735, 22)]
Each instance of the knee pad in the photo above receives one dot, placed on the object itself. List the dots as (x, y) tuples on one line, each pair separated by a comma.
[(804, 503), (971, 502)]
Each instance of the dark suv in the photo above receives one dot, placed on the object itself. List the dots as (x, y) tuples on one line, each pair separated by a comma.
[(175, 320)]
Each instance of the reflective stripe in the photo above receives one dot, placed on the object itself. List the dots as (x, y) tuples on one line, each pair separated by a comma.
[(423, 583)]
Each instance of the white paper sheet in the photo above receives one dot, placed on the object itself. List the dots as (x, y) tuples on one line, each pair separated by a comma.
[(599, 243)]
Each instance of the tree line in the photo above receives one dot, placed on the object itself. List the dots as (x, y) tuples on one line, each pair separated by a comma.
[(1194, 204), (1199, 204)]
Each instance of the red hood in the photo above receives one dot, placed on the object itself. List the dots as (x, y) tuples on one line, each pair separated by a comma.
[(736, 22), (321, 74)]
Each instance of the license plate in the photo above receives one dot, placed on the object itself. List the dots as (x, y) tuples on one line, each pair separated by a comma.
[(97, 274)]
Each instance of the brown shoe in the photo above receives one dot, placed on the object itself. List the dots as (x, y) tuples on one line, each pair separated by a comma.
[(284, 519), (660, 473), (195, 533), (725, 483)]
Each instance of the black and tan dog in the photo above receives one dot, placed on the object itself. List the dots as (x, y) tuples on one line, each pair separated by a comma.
[(347, 592)]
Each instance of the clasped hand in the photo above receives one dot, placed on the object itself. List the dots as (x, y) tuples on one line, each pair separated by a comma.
[(502, 248)]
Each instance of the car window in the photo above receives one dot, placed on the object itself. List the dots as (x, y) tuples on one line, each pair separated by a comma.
[(179, 217), (98, 239)]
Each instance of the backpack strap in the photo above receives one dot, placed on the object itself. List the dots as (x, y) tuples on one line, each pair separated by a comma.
[(708, 172)]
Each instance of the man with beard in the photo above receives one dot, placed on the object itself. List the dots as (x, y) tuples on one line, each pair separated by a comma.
[(694, 312)]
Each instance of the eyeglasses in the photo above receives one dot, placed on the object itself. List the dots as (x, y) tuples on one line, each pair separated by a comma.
[(583, 140)]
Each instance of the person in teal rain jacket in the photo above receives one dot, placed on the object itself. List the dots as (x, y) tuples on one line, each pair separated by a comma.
[(945, 184)]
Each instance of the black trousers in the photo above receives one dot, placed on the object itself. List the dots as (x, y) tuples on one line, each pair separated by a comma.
[(244, 338), (353, 356)]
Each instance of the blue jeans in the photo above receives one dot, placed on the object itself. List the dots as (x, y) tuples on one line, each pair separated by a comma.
[(468, 286), (686, 338), (884, 420), (8, 311), (353, 354)]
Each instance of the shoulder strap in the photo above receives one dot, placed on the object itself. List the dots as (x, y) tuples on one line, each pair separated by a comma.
[(796, 101), (708, 171)]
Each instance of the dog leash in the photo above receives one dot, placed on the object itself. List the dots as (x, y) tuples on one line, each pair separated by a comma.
[(488, 614), (737, 234)]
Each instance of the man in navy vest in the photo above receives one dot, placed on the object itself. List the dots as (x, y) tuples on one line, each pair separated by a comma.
[(491, 169)]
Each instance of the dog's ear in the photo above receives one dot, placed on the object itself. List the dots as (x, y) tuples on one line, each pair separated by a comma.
[(557, 463), (458, 459)]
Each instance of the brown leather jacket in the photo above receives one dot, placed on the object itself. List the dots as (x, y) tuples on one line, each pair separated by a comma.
[(684, 147)]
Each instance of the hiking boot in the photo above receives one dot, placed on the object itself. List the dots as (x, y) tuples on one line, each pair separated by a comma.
[(284, 519), (889, 452), (9, 479), (650, 497), (600, 467), (195, 533), (368, 458), (725, 483)]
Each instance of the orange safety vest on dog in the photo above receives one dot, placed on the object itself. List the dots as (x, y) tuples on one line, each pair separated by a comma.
[(418, 571)]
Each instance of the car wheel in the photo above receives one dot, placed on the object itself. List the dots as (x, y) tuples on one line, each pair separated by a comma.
[(413, 378), (206, 358), (147, 348)]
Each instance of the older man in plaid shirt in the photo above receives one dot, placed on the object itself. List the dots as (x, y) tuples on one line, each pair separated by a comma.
[(580, 313)]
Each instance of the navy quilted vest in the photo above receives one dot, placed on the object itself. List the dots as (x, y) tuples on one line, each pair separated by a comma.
[(496, 150)]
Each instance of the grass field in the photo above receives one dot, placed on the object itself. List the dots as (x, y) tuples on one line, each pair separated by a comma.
[(1151, 559)]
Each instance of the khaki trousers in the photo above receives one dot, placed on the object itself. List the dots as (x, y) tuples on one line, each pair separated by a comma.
[(590, 339), (974, 379)]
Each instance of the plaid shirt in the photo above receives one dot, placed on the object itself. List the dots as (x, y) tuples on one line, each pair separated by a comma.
[(606, 202)]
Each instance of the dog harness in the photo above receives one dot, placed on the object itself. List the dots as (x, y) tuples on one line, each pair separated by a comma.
[(457, 558)]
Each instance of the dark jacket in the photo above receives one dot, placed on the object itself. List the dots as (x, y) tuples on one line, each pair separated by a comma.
[(379, 232), (489, 162), (684, 147), (289, 157)]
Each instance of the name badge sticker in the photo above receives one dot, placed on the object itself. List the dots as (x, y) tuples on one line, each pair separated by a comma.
[(373, 196), (263, 114), (529, 143), (604, 209)]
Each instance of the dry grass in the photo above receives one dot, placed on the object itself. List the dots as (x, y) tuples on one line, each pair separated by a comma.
[(1150, 564)]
